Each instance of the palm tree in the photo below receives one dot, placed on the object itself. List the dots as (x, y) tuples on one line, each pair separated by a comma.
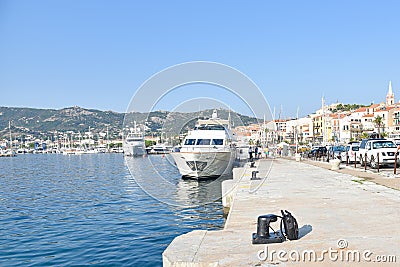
[(378, 123), (364, 135)]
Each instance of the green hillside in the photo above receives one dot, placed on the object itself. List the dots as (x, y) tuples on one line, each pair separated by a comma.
[(43, 123)]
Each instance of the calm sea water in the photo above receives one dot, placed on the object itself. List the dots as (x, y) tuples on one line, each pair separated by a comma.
[(58, 210)]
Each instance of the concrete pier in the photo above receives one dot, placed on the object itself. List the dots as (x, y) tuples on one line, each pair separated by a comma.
[(344, 220)]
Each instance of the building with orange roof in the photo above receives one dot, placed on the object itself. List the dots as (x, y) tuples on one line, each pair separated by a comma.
[(371, 109), (300, 129), (350, 127), (362, 109), (367, 123), (384, 113), (335, 122)]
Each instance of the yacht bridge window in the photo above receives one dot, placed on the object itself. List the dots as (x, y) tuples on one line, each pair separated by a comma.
[(190, 142), (217, 142), (203, 142), (210, 127)]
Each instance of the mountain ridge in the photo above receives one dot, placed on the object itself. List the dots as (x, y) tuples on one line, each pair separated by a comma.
[(42, 123)]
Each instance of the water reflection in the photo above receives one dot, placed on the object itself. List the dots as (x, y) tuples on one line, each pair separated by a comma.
[(82, 210), (159, 178)]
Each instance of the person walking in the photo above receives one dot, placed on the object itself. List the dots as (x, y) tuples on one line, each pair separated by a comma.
[(266, 152), (250, 153)]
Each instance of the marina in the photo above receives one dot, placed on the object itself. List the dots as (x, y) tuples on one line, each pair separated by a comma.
[(226, 167), (199, 134)]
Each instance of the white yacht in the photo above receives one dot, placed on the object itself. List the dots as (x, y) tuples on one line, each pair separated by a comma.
[(7, 153), (159, 149), (73, 151), (207, 151), (134, 143)]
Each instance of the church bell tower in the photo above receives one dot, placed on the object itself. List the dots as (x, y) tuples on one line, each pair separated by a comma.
[(390, 96)]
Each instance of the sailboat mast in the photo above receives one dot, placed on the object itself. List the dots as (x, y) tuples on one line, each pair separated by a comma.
[(108, 139), (229, 119), (323, 120), (274, 125), (264, 134), (9, 128), (297, 133), (279, 125)]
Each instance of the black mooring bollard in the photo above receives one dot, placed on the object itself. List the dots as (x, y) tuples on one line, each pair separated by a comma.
[(263, 236), (254, 175), (263, 224)]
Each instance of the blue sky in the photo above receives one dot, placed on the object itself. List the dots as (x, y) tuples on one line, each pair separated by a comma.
[(95, 54)]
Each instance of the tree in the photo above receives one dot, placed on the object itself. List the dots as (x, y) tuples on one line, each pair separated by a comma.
[(148, 143), (378, 123)]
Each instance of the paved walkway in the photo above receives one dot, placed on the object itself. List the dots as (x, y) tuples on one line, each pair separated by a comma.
[(328, 206), (385, 177)]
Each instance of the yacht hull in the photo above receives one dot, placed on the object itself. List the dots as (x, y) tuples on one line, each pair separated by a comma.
[(199, 165), (135, 151)]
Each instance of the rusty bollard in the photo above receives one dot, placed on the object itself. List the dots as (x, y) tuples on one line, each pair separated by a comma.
[(377, 157), (365, 161)]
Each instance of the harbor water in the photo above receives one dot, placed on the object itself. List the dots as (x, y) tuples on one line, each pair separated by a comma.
[(58, 210)]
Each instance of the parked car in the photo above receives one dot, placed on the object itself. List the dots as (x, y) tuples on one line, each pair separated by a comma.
[(397, 141), (318, 151), (335, 152), (363, 150), (351, 152), (380, 152)]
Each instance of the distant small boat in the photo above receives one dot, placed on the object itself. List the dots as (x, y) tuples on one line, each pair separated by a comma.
[(7, 153), (159, 149), (22, 151), (73, 151), (117, 150), (101, 149)]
